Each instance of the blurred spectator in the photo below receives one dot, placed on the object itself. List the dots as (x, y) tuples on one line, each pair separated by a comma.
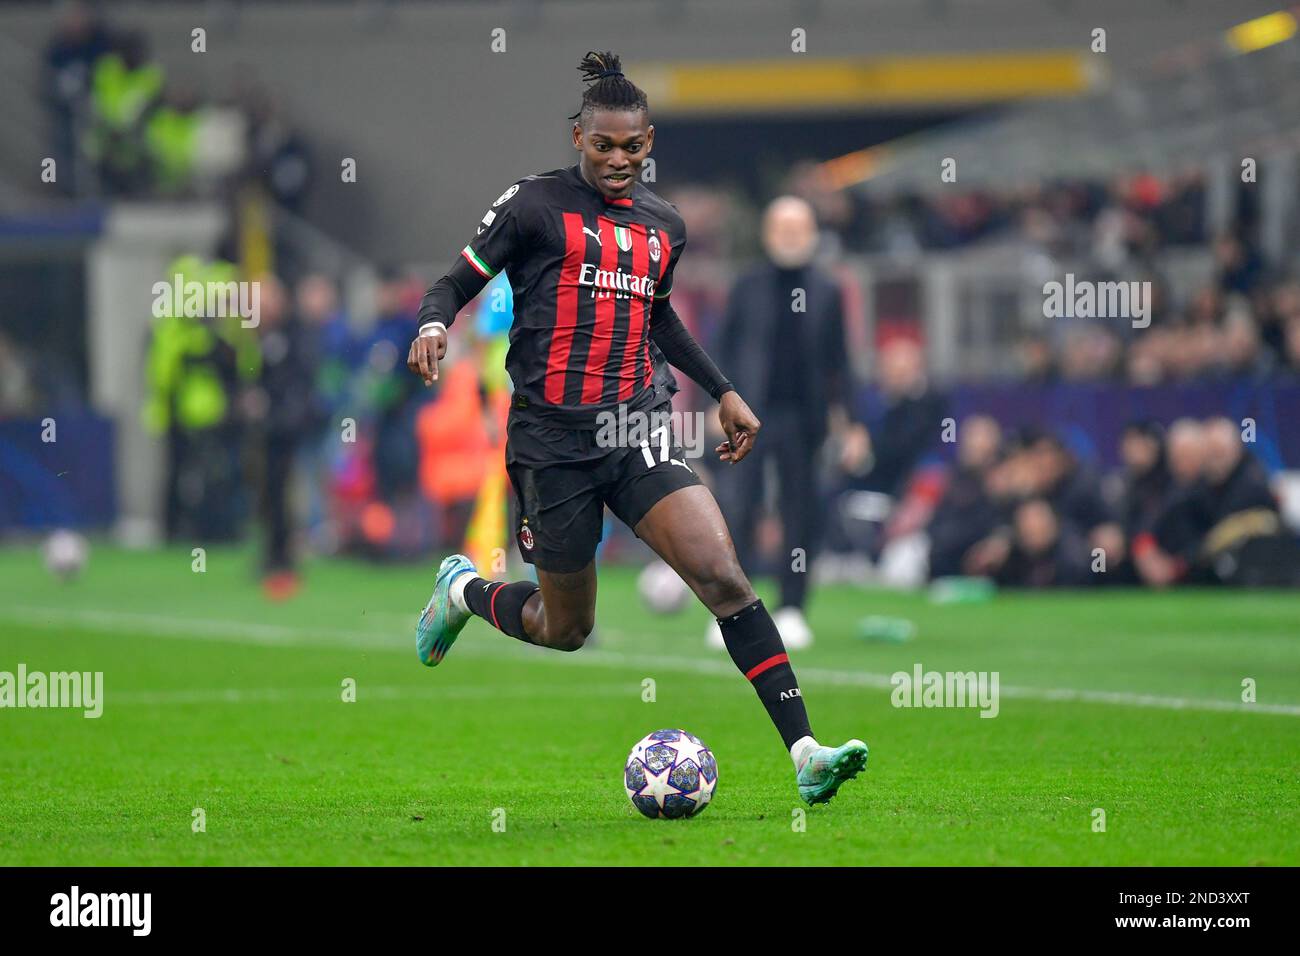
[(1089, 352), (1239, 265), (329, 338), (1234, 481), (461, 437), (1074, 491), (1281, 304), (79, 41), (1245, 541), (909, 425), (285, 408), (966, 513), (878, 514), (195, 369), (396, 395), (1243, 355), (1044, 552), (317, 304), (171, 140), (1164, 554), (1145, 480), (782, 344), (277, 154), (125, 87), (1037, 361)]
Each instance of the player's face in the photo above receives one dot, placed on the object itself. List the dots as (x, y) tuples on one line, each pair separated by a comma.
[(614, 144)]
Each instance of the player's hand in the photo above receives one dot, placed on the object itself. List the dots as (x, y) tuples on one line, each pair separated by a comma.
[(425, 352), (740, 425)]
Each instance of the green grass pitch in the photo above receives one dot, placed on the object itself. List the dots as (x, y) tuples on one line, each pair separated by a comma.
[(215, 699)]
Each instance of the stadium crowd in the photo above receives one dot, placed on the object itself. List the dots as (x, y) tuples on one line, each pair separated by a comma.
[(315, 406), (1025, 511), (1244, 324), (121, 129)]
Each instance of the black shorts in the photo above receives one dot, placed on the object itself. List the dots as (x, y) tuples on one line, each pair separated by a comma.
[(564, 478)]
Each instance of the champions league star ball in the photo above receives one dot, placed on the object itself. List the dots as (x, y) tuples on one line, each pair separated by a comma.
[(65, 554), (662, 591), (670, 774)]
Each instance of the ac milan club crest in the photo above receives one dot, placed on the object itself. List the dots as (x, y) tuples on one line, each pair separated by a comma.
[(654, 248), (526, 537)]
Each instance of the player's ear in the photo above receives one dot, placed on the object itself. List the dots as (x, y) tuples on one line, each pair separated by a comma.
[(649, 139), (577, 136)]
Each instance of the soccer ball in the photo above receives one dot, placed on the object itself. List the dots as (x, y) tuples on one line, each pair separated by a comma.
[(661, 589), (670, 774), (65, 554)]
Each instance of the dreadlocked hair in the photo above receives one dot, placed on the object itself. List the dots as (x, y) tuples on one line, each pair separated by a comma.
[(609, 89)]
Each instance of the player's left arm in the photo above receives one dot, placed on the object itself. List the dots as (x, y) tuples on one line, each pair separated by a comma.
[(501, 234), (683, 352)]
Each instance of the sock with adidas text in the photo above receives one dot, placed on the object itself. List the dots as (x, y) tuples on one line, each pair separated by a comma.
[(755, 646), (498, 603)]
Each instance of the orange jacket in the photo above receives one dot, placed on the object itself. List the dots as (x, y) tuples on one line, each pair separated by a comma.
[(456, 450)]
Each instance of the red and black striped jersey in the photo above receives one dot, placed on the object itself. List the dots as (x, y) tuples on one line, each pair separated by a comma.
[(586, 272)]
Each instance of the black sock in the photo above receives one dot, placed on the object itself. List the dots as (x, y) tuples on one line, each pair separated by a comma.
[(755, 646), (500, 604)]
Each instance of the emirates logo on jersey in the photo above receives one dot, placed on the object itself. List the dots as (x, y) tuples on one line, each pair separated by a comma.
[(615, 282), (654, 248)]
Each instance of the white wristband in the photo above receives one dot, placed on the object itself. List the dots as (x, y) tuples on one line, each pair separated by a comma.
[(428, 329)]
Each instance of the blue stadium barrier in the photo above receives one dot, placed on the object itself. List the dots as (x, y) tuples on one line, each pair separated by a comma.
[(66, 483)]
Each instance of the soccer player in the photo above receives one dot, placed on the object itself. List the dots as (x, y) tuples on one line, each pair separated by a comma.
[(590, 254)]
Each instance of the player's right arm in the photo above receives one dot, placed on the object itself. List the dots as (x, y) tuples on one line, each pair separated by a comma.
[(738, 421), (500, 235)]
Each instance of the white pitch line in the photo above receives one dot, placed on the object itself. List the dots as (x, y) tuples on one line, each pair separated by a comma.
[(199, 629), (276, 695), (276, 635)]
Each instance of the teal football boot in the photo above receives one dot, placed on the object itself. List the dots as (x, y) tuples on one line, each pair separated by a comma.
[(441, 622), (828, 767)]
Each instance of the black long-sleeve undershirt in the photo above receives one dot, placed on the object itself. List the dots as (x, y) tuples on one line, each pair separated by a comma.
[(450, 294), (683, 352)]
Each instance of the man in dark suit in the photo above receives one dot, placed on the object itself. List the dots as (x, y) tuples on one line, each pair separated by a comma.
[(782, 341)]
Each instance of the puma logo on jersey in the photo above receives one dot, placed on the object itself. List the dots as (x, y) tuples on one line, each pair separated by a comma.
[(594, 235)]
